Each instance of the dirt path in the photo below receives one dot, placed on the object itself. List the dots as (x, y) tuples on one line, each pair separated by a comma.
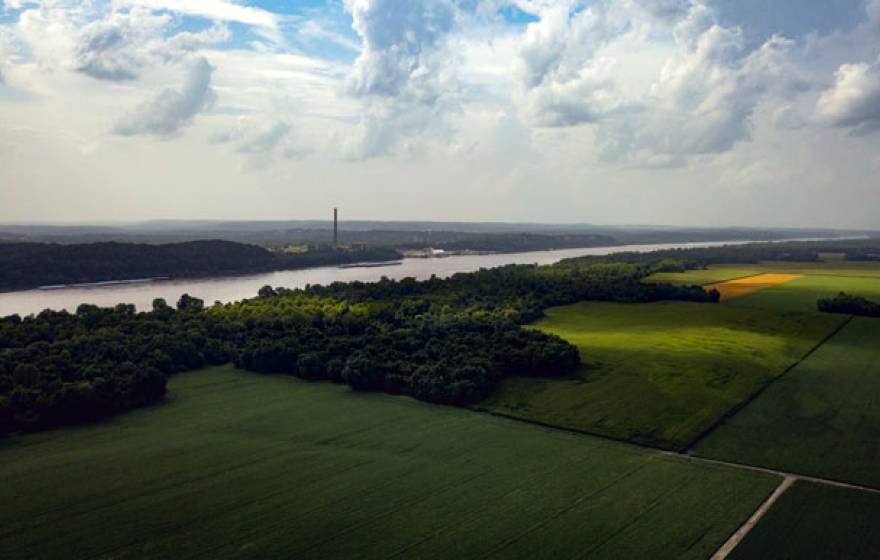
[(740, 533), (784, 474)]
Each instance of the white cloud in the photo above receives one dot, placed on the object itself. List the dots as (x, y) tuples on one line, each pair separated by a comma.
[(108, 49), (699, 99), (401, 55), (787, 118), (249, 137), (217, 10), (311, 30), (449, 109), (121, 45), (853, 101), (404, 73), (166, 112)]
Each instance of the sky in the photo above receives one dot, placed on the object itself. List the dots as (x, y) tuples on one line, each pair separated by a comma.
[(674, 112)]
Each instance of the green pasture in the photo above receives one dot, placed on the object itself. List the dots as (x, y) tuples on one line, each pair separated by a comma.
[(818, 522), (821, 419), (237, 465), (660, 373)]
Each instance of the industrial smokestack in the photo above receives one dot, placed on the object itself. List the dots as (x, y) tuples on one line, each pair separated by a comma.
[(335, 228)]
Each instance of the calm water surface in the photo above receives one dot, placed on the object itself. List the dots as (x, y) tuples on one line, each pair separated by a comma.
[(235, 288)]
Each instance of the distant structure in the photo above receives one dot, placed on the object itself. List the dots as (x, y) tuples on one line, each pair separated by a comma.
[(335, 228)]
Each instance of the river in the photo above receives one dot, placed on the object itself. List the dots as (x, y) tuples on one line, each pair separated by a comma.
[(233, 288)]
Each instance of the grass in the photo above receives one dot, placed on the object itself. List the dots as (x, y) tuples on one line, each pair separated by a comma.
[(818, 522), (803, 293), (720, 273), (821, 419), (661, 373), (236, 465), (820, 280), (709, 275)]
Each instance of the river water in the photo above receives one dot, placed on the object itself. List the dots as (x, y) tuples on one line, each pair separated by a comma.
[(233, 288)]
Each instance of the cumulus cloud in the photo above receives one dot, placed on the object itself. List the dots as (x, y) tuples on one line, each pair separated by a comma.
[(700, 100), (165, 113), (401, 47), (853, 101), (119, 46), (404, 74), (107, 49), (561, 81)]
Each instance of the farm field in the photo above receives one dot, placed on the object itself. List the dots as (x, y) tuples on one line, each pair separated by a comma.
[(803, 293), (818, 522), (821, 419), (237, 465), (739, 287), (660, 373), (722, 272), (819, 280)]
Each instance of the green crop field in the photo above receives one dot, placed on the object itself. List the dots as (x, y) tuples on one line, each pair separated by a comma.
[(818, 522), (821, 419), (720, 273), (821, 280), (709, 275), (660, 373), (237, 465), (803, 293)]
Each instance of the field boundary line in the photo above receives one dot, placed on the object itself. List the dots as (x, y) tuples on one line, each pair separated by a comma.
[(734, 410), (783, 474), (570, 430), (731, 543), (684, 456)]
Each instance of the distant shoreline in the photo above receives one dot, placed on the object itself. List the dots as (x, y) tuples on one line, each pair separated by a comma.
[(103, 283)]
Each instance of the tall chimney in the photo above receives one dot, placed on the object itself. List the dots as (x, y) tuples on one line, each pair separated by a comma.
[(335, 228)]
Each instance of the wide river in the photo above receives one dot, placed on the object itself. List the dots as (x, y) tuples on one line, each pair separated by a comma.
[(233, 288)]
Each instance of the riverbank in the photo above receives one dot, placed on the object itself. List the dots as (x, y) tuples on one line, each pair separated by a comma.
[(233, 288)]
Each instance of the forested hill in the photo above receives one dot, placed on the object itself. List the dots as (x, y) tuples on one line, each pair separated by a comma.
[(30, 265)]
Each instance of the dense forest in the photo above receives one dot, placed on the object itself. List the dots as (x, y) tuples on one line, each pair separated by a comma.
[(678, 260), (30, 265), (849, 305), (442, 340), (502, 242)]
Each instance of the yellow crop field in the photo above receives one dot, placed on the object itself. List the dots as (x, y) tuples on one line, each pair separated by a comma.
[(750, 284)]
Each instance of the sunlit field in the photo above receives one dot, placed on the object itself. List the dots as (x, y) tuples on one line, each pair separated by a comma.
[(660, 373)]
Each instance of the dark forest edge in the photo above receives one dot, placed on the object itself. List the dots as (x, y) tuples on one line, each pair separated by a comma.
[(31, 265), (849, 305)]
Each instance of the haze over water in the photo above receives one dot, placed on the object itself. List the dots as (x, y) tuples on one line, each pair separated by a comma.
[(234, 288)]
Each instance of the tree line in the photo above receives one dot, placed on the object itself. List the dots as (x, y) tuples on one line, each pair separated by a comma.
[(849, 305), (441, 340), (30, 265)]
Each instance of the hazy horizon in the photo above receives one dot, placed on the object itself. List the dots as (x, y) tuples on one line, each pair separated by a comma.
[(674, 113), (123, 224)]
